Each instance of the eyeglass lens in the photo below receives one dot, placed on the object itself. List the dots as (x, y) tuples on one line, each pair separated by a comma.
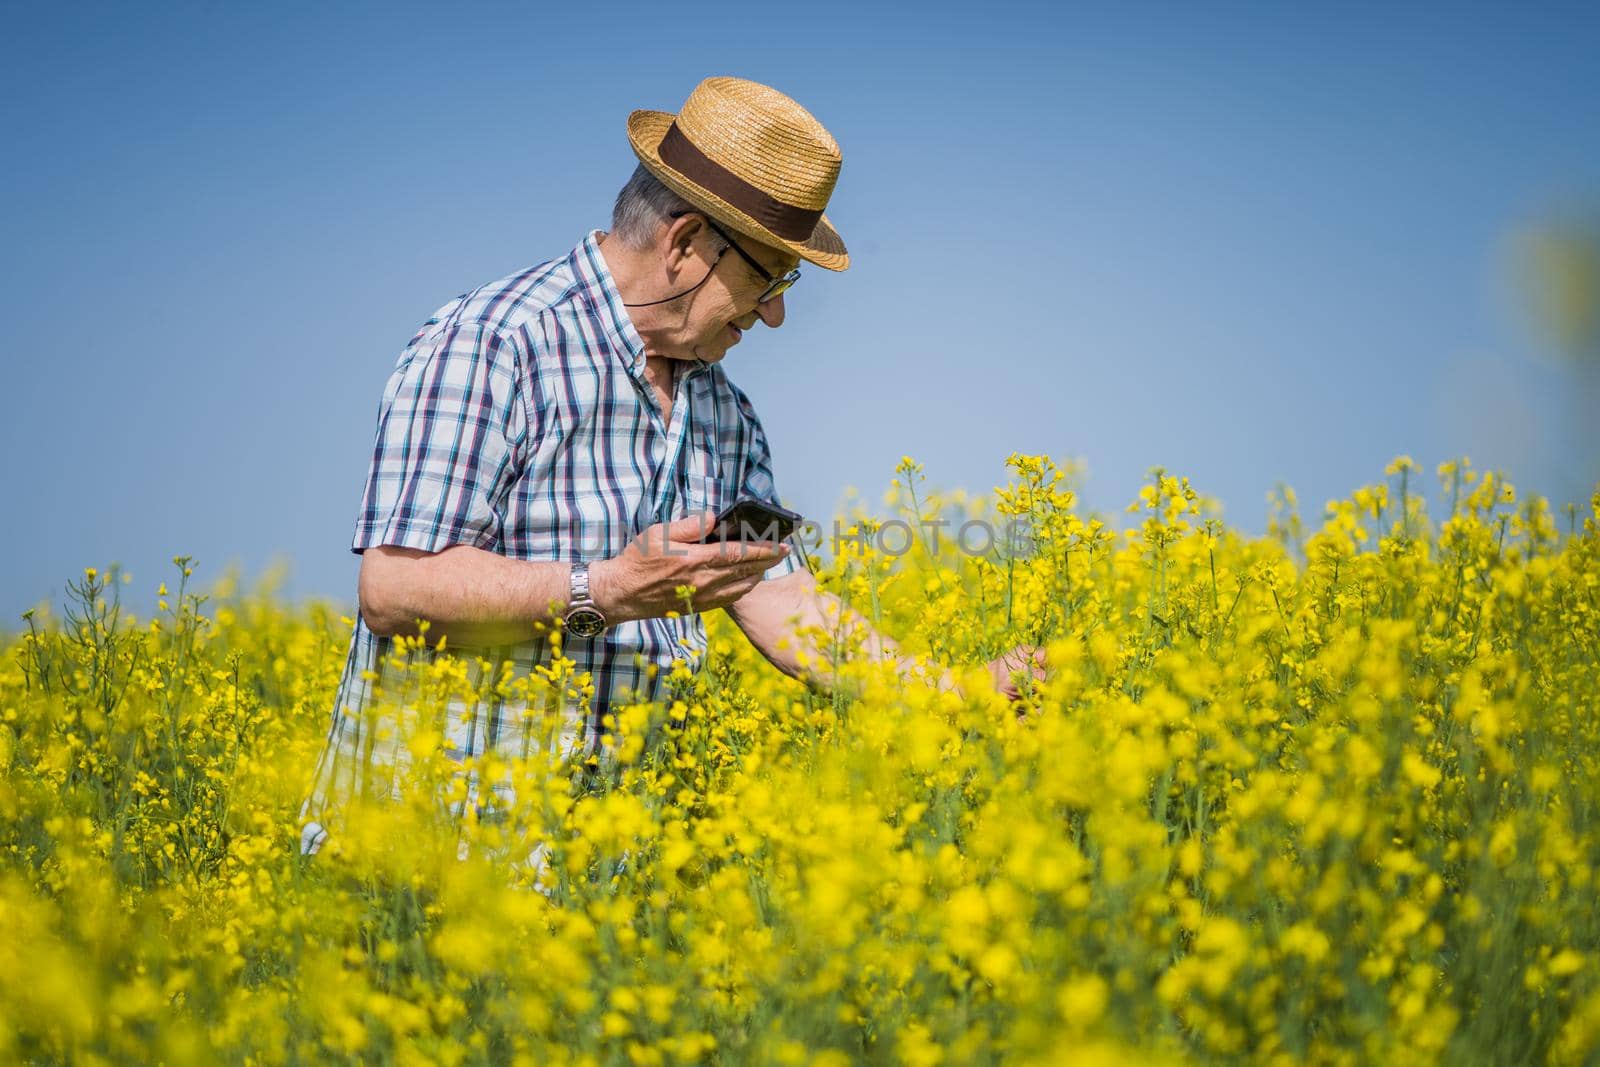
[(779, 286)]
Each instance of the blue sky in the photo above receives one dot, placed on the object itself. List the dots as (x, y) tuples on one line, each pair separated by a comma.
[(1252, 244)]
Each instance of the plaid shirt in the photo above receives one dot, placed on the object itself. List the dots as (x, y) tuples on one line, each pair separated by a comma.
[(519, 420)]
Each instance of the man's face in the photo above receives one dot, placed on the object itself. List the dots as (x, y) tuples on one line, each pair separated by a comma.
[(715, 316)]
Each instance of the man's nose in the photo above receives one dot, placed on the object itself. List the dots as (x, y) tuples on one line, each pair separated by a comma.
[(772, 312)]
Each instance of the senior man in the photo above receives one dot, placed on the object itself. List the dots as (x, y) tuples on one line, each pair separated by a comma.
[(552, 445)]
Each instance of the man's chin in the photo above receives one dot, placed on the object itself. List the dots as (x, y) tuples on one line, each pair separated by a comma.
[(715, 347)]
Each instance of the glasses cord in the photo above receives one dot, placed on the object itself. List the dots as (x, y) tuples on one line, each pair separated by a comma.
[(686, 292)]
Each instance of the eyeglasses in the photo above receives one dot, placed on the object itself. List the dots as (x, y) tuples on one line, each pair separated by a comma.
[(776, 286)]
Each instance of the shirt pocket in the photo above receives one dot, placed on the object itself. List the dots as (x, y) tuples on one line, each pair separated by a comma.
[(702, 486)]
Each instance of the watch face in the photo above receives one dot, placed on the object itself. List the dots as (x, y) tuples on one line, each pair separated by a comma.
[(585, 622)]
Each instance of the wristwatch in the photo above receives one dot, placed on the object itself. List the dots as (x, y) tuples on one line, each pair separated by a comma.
[(583, 619)]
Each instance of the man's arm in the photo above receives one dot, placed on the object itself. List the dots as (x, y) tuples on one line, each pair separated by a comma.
[(781, 616), (475, 597), (469, 595)]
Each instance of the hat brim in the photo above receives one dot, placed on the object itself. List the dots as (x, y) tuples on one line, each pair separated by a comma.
[(824, 247)]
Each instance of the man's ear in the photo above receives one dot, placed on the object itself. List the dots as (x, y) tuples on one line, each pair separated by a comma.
[(677, 247)]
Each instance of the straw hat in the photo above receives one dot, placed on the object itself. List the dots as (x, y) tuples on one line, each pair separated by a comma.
[(751, 158)]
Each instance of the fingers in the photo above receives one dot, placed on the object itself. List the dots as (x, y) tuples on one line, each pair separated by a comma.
[(1038, 664), (1029, 658), (691, 527), (747, 572), (737, 557), (762, 553), (1027, 654), (726, 591), (720, 579), (718, 557), (1024, 661)]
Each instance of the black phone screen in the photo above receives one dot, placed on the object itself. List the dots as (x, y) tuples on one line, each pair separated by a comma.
[(749, 519)]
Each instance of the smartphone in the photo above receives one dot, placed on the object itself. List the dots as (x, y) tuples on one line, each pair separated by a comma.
[(749, 519)]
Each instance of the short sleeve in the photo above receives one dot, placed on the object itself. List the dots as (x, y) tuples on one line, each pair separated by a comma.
[(450, 434), (745, 451)]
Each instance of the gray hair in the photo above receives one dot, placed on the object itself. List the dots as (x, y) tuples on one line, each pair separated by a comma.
[(642, 205)]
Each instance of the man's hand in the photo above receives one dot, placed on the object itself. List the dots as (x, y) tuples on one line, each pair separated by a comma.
[(1008, 670), (642, 582)]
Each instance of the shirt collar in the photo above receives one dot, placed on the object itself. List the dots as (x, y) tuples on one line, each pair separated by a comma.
[(618, 327), (602, 287)]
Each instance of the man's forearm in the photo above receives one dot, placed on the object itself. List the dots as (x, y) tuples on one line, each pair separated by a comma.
[(854, 631), (469, 595), (801, 629)]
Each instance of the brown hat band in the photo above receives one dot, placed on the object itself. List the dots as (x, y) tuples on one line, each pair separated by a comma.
[(787, 221)]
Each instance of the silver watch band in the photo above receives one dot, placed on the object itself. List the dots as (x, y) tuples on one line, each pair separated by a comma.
[(579, 586)]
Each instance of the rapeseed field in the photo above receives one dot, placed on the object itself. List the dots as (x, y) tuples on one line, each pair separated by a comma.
[(1330, 795)]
